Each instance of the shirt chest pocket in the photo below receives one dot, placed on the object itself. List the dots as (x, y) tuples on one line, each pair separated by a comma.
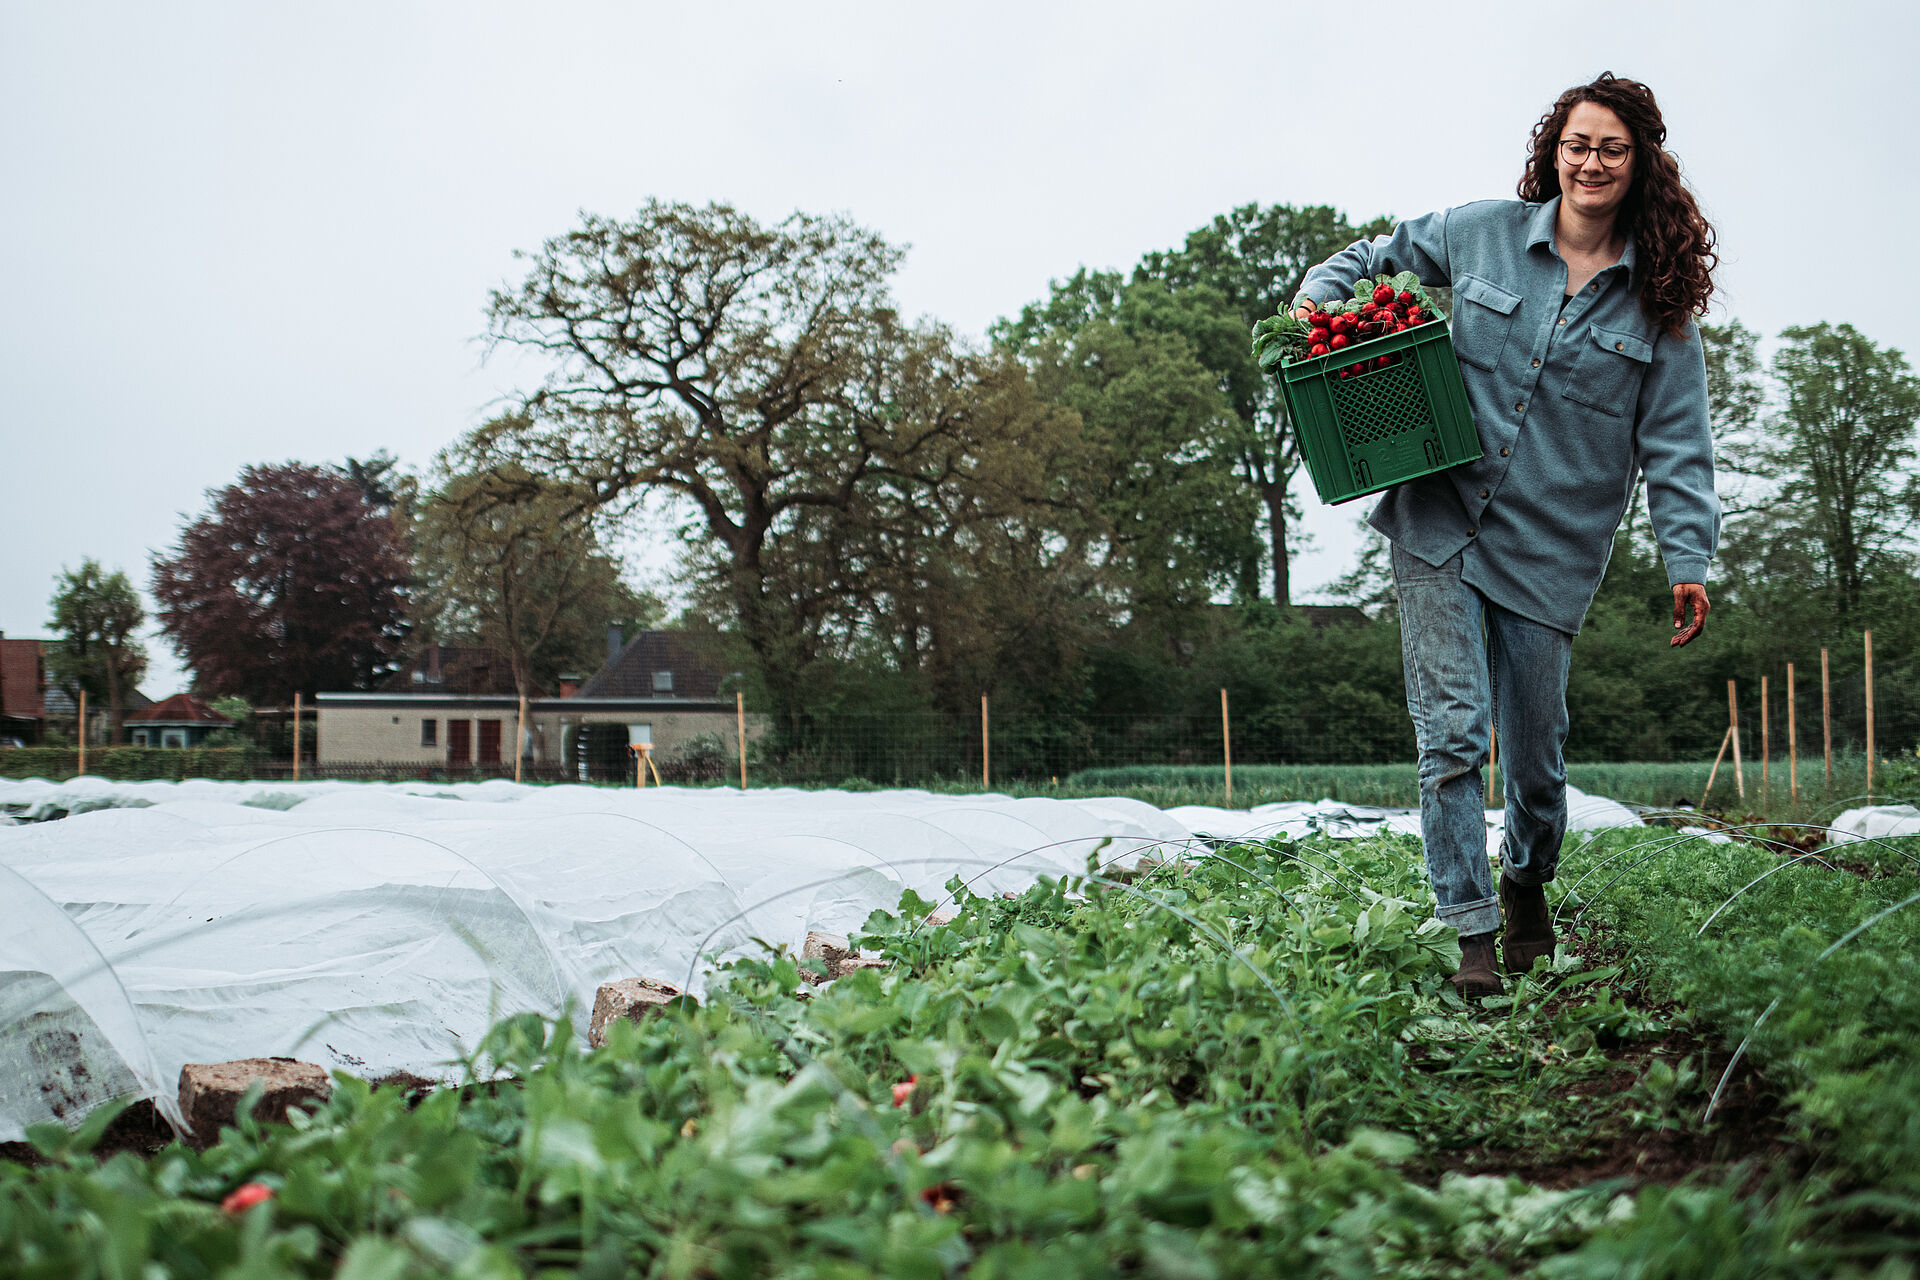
[(1607, 369), (1482, 320)]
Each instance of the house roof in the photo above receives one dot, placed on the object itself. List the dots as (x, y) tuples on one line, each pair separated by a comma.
[(22, 676), (696, 670), (59, 704), (181, 708), (452, 668)]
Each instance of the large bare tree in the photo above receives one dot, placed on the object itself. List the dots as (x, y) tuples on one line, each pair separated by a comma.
[(762, 375)]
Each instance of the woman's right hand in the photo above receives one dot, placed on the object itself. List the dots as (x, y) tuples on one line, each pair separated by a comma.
[(1304, 310)]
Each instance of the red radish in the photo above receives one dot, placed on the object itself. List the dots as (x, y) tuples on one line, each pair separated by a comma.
[(1406, 298), (1319, 335), (1383, 362), (1358, 368), (248, 1195), (1318, 349), (1415, 315), (1383, 294), (1339, 340)]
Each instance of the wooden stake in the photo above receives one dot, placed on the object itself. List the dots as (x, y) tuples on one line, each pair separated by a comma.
[(1793, 741), (1226, 745), (296, 736), (83, 732), (1493, 761), (1714, 772), (986, 755), (519, 739), (740, 732), (1869, 717), (1733, 727), (1826, 717), (1766, 743)]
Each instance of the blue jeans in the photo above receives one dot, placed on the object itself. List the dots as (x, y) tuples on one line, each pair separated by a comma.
[(1469, 661)]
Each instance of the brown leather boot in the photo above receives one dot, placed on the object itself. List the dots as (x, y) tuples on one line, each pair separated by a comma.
[(1529, 933), (1477, 976)]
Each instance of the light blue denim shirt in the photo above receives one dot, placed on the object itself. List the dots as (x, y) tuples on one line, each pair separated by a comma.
[(1571, 405)]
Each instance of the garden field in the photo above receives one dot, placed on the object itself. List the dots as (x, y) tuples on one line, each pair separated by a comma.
[(1160, 1057)]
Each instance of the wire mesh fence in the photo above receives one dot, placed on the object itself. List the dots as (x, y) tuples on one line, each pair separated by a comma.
[(1785, 743)]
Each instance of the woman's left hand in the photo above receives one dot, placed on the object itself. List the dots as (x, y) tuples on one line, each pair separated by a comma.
[(1685, 595)]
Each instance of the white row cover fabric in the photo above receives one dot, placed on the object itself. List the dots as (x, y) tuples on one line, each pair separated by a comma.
[(1298, 819), (1875, 822), (382, 928)]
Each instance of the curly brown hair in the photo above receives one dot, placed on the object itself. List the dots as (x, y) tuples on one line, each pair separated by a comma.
[(1672, 240)]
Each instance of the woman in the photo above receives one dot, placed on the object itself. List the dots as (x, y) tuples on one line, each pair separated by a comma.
[(1573, 322)]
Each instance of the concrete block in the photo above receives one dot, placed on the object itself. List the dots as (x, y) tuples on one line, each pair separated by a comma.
[(629, 998), (210, 1091)]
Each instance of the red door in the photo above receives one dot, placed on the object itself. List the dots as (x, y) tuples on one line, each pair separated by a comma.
[(459, 742), (489, 742)]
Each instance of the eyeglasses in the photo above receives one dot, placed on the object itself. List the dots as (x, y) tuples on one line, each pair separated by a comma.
[(1612, 154)]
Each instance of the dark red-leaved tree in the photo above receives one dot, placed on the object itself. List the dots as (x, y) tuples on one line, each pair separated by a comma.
[(290, 582)]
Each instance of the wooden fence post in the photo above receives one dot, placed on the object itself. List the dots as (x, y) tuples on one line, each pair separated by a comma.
[(986, 753), (82, 727), (740, 732), (296, 735), (1226, 745), (1766, 741), (1793, 741), (1714, 772), (1869, 716), (1733, 727), (1826, 717), (1493, 760)]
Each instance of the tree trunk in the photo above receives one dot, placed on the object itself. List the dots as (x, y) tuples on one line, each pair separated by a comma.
[(115, 697), (1275, 496)]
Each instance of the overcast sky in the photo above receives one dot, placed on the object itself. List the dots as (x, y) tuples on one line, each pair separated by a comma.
[(245, 232)]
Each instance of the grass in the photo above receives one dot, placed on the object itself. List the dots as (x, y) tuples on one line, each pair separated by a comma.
[(1657, 785)]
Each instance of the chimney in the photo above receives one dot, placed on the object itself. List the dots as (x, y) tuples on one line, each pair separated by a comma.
[(569, 685), (614, 644), (433, 663)]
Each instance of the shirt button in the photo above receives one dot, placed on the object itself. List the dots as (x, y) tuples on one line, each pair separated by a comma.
[(1469, 533), (1595, 285), (1563, 319), (1504, 451), (1619, 346), (1536, 364), (1485, 494), (1521, 407)]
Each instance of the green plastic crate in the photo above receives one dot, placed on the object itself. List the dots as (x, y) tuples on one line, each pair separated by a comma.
[(1373, 430)]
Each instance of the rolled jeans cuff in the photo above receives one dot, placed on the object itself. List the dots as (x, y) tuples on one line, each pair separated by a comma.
[(1525, 877), (1469, 918)]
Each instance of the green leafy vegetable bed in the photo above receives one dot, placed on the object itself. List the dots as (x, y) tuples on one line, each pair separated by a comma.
[(1249, 1067)]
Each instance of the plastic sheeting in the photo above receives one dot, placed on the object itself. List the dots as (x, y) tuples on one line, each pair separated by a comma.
[(1298, 819), (382, 928), (1876, 822)]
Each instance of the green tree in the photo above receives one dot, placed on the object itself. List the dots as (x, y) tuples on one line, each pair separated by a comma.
[(519, 564), (96, 615), (1840, 452), (1172, 519), (1250, 263)]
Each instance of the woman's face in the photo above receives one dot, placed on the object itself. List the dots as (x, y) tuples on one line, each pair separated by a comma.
[(1590, 186)]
